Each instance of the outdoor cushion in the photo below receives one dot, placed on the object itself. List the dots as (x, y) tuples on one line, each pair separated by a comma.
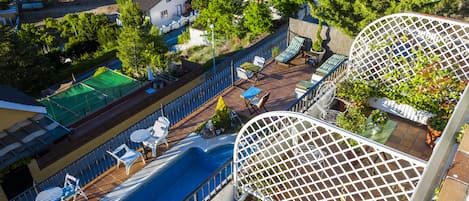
[(330, 63), (292, 50)]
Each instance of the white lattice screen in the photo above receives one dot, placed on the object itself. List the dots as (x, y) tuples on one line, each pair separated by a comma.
[(291, 156), (375, 50)]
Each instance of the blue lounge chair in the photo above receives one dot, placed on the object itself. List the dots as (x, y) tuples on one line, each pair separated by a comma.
[(292, 50)]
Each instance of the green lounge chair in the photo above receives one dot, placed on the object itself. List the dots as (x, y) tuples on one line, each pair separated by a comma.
[(292, 50)]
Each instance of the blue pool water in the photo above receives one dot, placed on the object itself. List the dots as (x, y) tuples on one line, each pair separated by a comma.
[(183, 175)]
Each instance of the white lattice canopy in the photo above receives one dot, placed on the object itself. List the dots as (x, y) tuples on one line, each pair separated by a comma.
[(392, 42), (291, 156)]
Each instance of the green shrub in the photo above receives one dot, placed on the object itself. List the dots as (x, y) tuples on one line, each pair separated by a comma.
[(275, 51), (184, 37), (460, 134), (353, 120), (317, 44)]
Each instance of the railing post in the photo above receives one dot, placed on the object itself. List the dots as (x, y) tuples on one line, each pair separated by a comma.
[(232, 74)]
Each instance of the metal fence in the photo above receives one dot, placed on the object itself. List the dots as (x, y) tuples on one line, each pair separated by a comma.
[(96, 162), (214, 184), (337, 74)]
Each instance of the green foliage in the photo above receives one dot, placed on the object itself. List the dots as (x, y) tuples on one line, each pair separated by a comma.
[(288, 8), (275, 51), (199, 4), (438, 122), (221, 14), (131, 46), (20, 64), (257, 18), (460, 134), (351, 16), (221, 119), (131, 15), (379, 117), (107, 37), (430, 87), (317, 44), (357, 91), (353, 120), (100, 70), (184, 37)]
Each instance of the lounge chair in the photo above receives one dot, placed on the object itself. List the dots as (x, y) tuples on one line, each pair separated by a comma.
[(72, 188), (127, 156), (159, 132), (292, 50), (330, 64)]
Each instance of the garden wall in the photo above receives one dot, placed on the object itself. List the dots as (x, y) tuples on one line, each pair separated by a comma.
[(334, 40)]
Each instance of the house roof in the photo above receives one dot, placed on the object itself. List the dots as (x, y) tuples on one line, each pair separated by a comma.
[(11, 98), (146, 5)]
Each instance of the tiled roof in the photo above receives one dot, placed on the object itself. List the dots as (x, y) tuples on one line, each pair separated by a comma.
[(26, 138), (146, 5)]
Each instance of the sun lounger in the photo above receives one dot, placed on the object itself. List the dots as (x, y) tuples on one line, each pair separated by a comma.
[(292, 50)]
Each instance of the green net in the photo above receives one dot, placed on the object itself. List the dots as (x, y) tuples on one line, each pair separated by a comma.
[(88, 96)]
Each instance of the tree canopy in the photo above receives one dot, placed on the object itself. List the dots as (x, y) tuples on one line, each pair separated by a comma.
[(351, 16), (20, 65), (221, 14), (257, 18), (131, 15), (288, 8), (139, 43)]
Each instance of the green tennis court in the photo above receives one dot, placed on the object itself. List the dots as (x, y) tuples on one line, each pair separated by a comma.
[(88, 96)]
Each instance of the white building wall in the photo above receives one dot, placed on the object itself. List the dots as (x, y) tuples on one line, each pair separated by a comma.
[(171, 7)]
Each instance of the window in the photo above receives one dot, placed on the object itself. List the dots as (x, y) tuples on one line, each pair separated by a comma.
[(164, 13)]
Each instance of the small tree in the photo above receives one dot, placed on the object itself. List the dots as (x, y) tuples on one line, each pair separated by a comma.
[(221, 119), (317, 44)]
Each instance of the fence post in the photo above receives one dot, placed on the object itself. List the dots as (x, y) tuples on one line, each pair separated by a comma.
[(232, 74)]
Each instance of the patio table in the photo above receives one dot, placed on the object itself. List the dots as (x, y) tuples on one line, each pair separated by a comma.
[(250, 67), (51, 194), (140, 135), (249, 94)]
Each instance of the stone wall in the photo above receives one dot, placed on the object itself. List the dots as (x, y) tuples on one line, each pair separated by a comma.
[(334, 40)]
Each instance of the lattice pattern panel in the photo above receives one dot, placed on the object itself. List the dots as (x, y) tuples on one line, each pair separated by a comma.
[(291, 156), (392, 42)]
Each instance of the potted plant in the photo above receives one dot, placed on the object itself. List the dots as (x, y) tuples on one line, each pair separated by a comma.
[(317, 44)]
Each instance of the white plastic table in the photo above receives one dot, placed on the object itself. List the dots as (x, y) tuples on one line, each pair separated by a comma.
[(140, 135), (51, 194)]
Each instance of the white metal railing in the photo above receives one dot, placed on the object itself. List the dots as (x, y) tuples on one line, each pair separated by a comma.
[(291, 156), (214, 184)]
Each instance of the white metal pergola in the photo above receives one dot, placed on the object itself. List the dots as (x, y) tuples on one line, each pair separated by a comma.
[(293, 156)]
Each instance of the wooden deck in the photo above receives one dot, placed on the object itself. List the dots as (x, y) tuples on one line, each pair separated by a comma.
[(280, 80)]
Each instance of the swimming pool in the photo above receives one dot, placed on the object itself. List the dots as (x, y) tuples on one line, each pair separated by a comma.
[(183, 175)]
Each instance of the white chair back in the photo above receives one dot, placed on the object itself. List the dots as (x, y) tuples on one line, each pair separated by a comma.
[(72, 188), (259, 61), (326, 94), (165, 121), (243, 74)]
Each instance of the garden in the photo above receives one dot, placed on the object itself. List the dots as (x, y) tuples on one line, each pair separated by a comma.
[(421, 83)]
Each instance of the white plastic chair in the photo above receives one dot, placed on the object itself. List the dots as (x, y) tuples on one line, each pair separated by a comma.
[(244, 75), (259, 61), (72, 188), (159, 133), (127, 156)]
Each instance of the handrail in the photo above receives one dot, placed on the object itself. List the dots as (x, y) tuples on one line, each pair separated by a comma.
[(206, 187), (303, 103)]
